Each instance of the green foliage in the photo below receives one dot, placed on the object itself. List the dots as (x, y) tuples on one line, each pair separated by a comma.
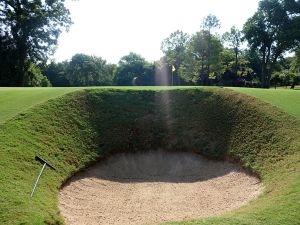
[(210, 22), (271, 31), (57, 74), (295, 64), (292, 6), (82, 127), (174, 48), (84, 70), (228, 58), (203, 58), (287, 71), (35, 78), (284, 78), (28, 33), (134, 66), (234, 40), (234, 74)]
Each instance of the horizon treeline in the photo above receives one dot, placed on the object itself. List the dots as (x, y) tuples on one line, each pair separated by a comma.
[(266, 52)]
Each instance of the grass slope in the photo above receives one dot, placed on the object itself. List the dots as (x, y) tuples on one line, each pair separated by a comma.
[(74, 130), (285, 99), (16, 100)]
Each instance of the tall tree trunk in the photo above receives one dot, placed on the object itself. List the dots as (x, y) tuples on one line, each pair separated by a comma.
[(272, 65), (264, 69), (20, 74), (263, 75), (178, 78), (21, 66), (236, 62), (268, 68), (20, 42), (209, 55)]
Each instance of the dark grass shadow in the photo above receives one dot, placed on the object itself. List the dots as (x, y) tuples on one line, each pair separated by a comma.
[(198, 121), (134, 121)]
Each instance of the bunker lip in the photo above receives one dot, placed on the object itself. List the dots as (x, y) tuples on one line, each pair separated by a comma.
[(153, 187)]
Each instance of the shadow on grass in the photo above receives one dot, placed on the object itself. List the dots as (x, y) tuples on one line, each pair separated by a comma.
[(179, 121)]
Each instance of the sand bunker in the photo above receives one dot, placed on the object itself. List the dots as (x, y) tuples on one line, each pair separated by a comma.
[(153, 187)]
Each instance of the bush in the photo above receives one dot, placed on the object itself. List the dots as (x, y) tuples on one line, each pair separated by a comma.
[(35, 78), (284, 78)]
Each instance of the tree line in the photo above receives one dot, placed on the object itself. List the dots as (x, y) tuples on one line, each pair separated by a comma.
[(255, 56)]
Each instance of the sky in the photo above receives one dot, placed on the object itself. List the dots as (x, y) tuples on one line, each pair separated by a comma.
[(114, 28)]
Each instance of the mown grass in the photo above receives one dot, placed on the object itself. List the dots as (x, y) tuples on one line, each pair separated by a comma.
[(74, 130), (286, 99), (16, 100)]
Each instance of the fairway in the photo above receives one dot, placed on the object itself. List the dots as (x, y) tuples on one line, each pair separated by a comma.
[(286, 99), (15, 100)]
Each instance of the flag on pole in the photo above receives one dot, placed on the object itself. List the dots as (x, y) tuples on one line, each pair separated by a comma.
[(173, 68)]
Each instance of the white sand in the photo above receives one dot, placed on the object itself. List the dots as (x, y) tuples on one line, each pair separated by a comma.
[(153, 187)]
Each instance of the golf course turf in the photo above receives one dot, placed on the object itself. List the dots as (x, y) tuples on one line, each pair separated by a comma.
[(285, 99), (79, 128), (15, 100)]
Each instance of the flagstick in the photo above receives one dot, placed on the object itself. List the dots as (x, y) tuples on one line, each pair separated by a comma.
[(173, 70)]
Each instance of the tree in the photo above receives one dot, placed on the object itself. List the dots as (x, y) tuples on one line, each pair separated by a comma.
[(295, 64), (230, 76), (7, 62), (234, 40), (202, 58), (57, 74), (295, 68), (134, 66), (272, 31), (29, 32), (35, 78), (209, 23), (174, 48), (163, 72), (285, 78), (292, 6), (85, 70), (287, 71)]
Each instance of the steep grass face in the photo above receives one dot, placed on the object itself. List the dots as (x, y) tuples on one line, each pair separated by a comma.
[(146, 120), (82, 127)]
